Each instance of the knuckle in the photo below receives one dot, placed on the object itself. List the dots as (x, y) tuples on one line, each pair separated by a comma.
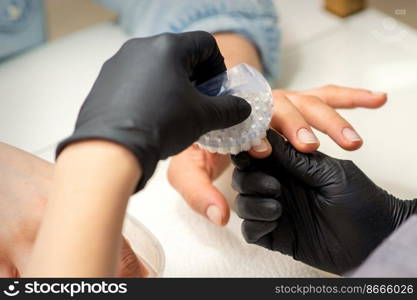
[(131, 44), (347, 163), (192, 197), (166, 43), (248, 234), (241, 205), (166, 39), (205, 35), (278, 96), (304, 101)]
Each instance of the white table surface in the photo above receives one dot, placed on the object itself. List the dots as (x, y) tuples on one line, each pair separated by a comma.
[(41, 93)]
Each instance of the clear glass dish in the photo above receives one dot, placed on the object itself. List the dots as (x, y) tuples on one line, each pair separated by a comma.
[(145, 245)]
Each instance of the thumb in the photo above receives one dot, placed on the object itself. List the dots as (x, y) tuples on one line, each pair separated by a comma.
[(191, 173), (224, 111), (314, 169)]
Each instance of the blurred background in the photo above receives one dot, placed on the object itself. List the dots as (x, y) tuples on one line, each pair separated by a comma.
[(66, 16)]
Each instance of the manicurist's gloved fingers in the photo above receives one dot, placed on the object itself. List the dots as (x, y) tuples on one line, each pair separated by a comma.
[(201, 55), (255, 183), (224, 111), (242, 160), (192, 173), (313, 169), (258, 208), (254, 231)]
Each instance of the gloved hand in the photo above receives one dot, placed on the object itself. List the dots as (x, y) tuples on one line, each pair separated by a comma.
[(320, 210), (144, 98)]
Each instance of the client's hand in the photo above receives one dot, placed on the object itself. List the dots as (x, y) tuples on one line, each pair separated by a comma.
[(320, 210), (192, 172), (24, 184)]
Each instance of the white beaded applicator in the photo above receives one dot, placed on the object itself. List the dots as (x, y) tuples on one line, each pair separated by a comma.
[(245, 82)]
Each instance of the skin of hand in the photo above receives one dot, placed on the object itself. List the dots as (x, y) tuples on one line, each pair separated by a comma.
[(320, 210), (25, 184), (193, 171)]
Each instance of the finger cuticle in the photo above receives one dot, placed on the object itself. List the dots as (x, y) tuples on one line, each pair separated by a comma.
[(305, 136), (213, 213), (351, 135)]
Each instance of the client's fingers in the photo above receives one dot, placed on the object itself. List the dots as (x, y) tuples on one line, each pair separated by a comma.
[(287, 120), (327, 120), (258, 208), (262, 150), (344, 97), (191, 173), (129, 264), (255, 183)]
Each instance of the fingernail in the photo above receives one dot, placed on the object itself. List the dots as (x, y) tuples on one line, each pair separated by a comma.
[(379, 93), (262, 147), (214, 215), (306, 137), (351, 135)]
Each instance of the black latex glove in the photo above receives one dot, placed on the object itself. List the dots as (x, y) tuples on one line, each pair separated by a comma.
[(144, 98), (320, 210)]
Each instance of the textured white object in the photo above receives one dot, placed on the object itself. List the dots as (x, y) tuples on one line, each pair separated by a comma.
[(245, 82)]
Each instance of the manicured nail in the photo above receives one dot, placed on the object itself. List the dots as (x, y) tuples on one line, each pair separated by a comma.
[(379, 93), (351, 135), (214, 215), (262, 147), (306, 137)]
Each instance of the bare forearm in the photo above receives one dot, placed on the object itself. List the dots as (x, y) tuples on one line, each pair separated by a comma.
[(236, 49), (80, 234)]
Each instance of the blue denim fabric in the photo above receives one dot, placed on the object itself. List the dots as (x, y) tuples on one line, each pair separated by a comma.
[(21, 25), (254, 19), (22, 22)]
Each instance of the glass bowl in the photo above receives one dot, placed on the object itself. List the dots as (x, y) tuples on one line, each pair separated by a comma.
[(145, 245)]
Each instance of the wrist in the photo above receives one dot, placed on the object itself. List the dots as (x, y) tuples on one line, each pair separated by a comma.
[(97, 156), (236, 50)]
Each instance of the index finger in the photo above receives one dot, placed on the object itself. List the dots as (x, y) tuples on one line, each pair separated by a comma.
[(344, 97)]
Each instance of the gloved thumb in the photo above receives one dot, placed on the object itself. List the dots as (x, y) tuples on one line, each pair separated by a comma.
[(224, 111)]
